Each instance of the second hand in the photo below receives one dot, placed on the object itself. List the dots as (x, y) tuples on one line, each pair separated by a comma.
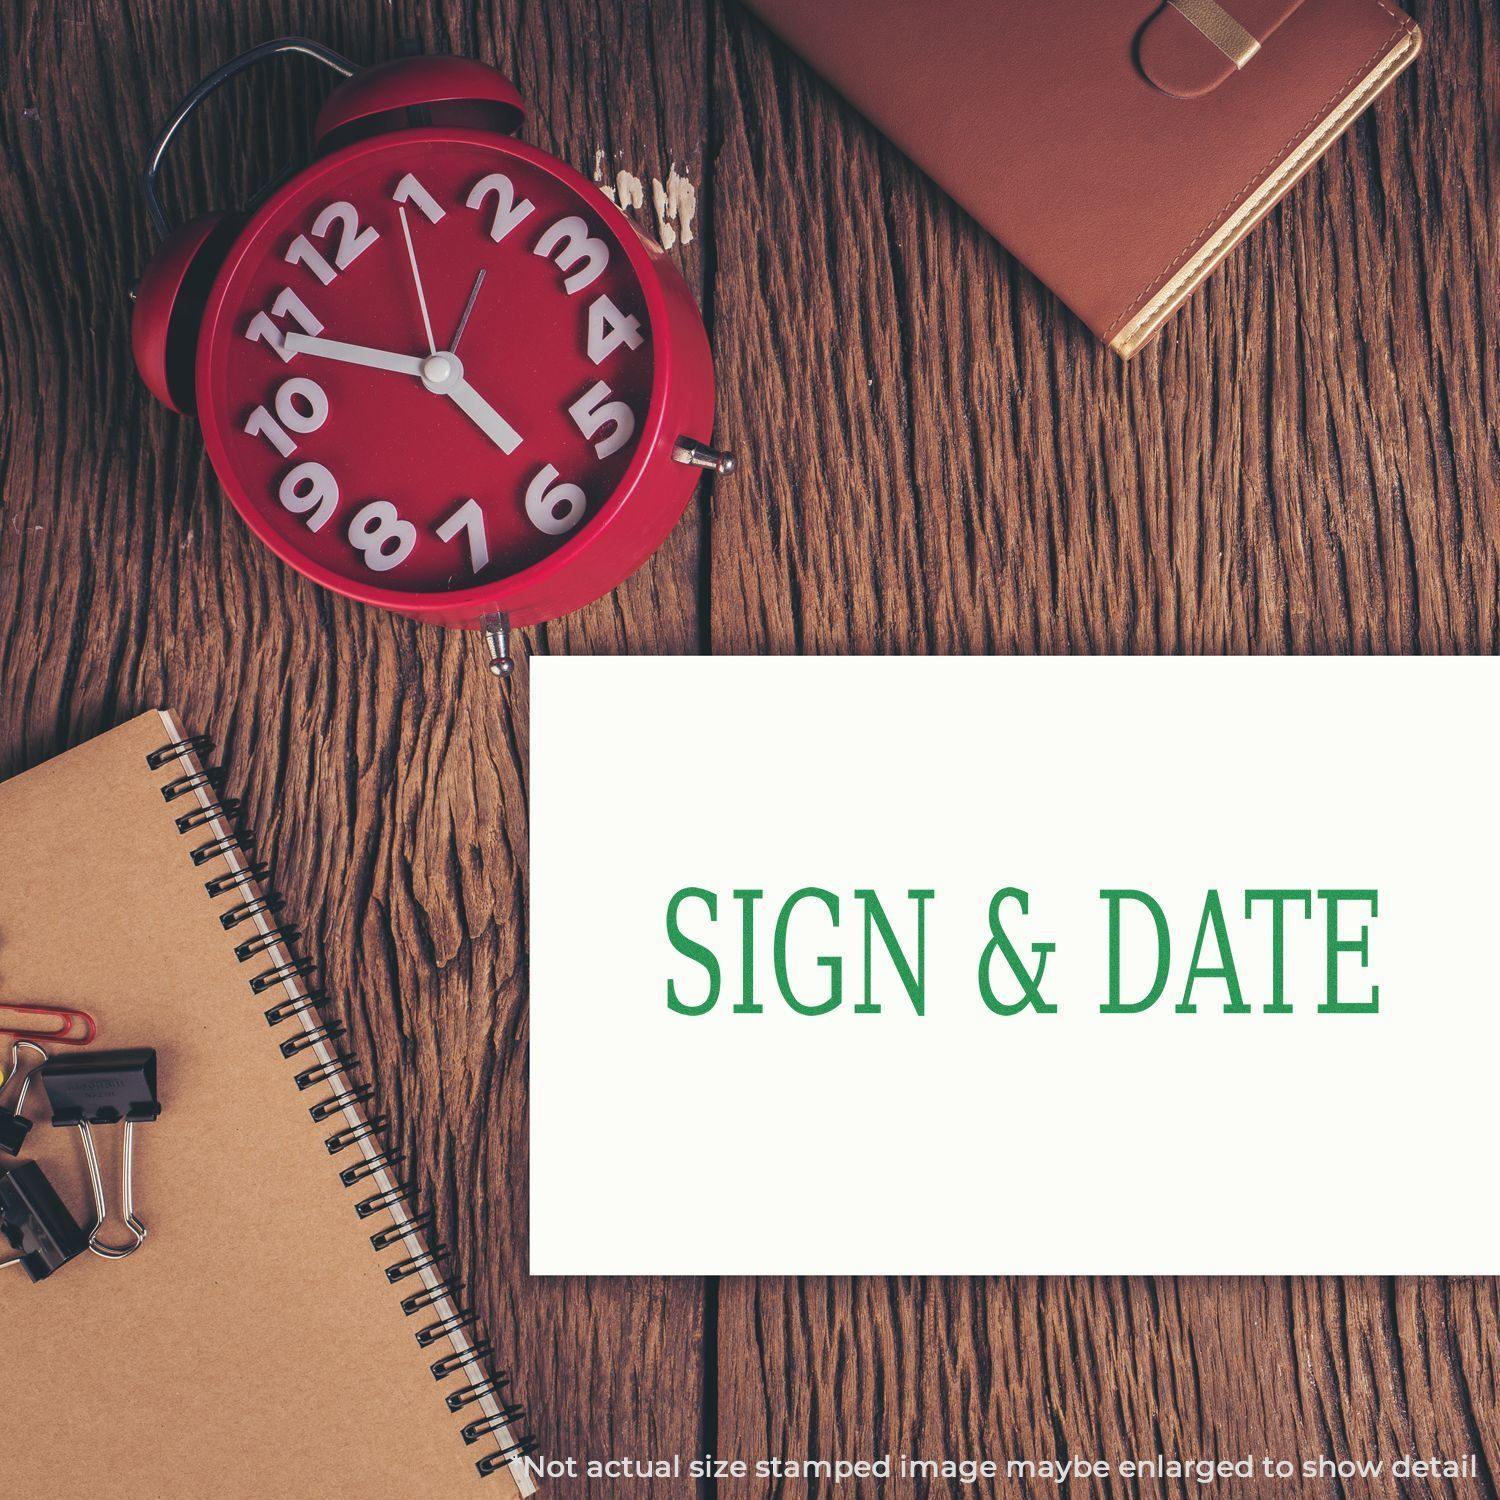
[(463, 321)]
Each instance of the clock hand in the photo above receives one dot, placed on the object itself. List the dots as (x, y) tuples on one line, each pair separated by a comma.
[(353, 354), (443, 375), (483, 415), (440, 373), (463, 321), (416, 276)]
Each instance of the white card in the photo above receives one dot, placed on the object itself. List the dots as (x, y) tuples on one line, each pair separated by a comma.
[(1343, 1132)]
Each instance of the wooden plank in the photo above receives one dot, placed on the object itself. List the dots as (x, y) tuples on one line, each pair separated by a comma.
[(382, 769), (943, 460), (1063, 1368)]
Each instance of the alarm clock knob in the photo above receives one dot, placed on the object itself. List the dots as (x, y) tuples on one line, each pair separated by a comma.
[(169, 302), (700, 456), (445, 90), (496, 629)]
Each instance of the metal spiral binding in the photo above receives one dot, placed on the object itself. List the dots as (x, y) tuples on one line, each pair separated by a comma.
[(488, 1385), (336, 1104), (226, 810), (298, 969), (470, 1358), (256, 907), (507, 1416), (367, 1208), (492, 1463), (449, 1287), (351, 1135), (414, 1265), (184, 786), (465, 1359), (330, 1032), (434, 1332), (384, 1239), (299, 1005), (285, 936), (308, 1078), (382, 1159), (236, 880), (205, 852), (198, 744)]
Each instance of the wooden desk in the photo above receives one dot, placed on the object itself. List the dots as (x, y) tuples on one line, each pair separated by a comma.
[(935, 458)]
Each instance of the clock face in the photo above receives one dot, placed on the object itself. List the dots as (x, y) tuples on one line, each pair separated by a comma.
[(428, 364)]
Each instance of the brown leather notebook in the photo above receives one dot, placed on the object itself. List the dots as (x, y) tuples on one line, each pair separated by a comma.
[(257, 1343), (1118, 148)]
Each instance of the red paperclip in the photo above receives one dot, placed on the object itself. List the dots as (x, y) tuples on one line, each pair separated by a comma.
[(47, 1023)]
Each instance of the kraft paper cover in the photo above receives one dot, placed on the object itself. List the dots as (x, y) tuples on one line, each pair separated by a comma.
[(253, 1346)]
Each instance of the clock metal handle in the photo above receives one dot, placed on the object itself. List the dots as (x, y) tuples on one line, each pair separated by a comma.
[(298, 44)]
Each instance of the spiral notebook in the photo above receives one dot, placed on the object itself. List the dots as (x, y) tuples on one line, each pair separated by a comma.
[(287, 1329)]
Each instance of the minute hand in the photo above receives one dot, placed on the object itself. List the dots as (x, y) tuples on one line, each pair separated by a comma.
[(353, 354)]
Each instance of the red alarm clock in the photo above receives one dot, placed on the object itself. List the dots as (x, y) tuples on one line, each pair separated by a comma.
[(437, 369)]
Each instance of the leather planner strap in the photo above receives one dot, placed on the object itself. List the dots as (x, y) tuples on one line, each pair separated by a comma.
[(1220, 28)]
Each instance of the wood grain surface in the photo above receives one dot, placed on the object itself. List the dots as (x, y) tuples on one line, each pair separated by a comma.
[(936, 457)]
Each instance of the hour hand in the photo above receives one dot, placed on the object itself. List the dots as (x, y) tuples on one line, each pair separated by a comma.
[(484, 416), (443, 374), (352, 354)]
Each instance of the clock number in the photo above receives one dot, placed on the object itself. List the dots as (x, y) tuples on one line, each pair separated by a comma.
[(300, 405), (384, 538), (567, 243), (469, 518), (508, 213), (409, 190), (353, 242), (551, 507), (593, 410), (302, 251), (310, 487), (263, 424), (610, 329), (287, 305)]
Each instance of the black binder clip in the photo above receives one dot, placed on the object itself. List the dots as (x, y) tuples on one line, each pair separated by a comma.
[(14, 1126), (106, 1088), (36, 1224)]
